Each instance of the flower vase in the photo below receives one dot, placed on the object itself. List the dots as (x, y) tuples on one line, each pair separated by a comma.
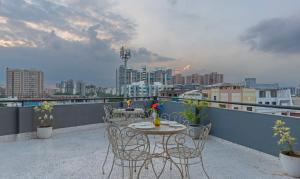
[(156, 119)]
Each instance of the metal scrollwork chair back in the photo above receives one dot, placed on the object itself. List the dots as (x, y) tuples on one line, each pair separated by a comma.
[(187, 150), (130, 148)]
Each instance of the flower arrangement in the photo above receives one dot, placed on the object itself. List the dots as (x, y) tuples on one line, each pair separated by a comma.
[(285, 137), (129, 103), (44, 114), (157, 107)]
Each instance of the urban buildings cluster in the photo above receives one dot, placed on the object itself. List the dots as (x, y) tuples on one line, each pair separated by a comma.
[(206, 79), (142, 82), (152, 82), (29, 83)]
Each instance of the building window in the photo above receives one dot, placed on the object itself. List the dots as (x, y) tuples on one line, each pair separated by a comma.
[(222, 105), (262, 94), (267, 103), (215, 98), (273, 94), (249, 108), (273, 103), (260, 102)]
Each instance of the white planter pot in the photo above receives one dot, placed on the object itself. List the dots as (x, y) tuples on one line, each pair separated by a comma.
[(290, 164), (44, 132)]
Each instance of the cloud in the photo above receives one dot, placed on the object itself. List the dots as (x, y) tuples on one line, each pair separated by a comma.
[(143, 55), (172, 2), (76, 39), (277, 35)]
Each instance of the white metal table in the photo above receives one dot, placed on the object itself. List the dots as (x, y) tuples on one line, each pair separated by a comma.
[(164, 130)]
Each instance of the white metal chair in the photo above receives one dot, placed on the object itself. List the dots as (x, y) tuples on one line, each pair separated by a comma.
[(187, 151), (130, 149)]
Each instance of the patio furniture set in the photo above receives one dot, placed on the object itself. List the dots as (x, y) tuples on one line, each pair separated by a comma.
[(135, 142)]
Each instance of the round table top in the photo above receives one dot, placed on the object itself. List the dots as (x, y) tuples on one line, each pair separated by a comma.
[(123, 111), (163, 129)]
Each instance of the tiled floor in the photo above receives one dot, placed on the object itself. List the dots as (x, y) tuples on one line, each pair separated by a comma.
[(79, 155)]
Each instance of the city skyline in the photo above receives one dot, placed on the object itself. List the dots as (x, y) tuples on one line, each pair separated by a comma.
[(70, 39)]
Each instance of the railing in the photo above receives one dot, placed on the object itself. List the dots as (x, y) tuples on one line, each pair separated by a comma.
[(115, 99)]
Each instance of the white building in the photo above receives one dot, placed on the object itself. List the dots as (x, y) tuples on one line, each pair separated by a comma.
[(140, 89), (276, 96), (193, 94), (112, 91)]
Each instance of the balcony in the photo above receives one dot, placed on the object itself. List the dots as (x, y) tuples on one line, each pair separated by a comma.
[(240, 145)]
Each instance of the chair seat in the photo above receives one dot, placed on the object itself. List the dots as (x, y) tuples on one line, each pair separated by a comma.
[(183, 152)]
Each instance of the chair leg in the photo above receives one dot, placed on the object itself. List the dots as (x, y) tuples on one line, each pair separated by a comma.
[(107, 152), (112, 167), (202, 164), (144, 163)]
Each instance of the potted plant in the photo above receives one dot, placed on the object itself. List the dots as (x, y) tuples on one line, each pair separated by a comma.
[(45, 118), (195, 113), (289, 159)]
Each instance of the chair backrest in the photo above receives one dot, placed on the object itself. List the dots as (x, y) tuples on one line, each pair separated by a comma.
[(175, 116), (165, 116), (204, 131), (127, 143), (187, 140)]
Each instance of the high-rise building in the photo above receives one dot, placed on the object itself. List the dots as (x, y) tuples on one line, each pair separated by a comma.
[(206, 79), (178, 79), (149, 77), (250, 82), (2, 91), (24, 83), (70, 87), (80, 88)]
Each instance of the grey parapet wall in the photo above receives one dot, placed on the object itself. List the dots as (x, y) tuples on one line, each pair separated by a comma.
[(250, 129), (14, 120)]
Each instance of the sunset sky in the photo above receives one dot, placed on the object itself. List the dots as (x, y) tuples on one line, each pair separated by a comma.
[(79, 39)]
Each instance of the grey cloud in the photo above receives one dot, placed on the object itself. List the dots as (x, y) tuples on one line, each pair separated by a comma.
[(143, 55), (93, 60), (63, 60), (278, 35), (172, 2)]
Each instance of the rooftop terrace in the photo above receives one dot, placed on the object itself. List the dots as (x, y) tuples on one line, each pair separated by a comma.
[(79, 154), (241, 144)]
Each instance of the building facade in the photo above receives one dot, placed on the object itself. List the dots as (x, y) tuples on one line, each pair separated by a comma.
[(273, 96), (228, 92), (71, 87), (22, 83), (178, 79), (140, 89), (206, 79), (147, 76)]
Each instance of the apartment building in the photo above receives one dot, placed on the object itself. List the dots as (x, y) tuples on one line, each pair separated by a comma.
[(23, 83), (206, 79), (228, 92)]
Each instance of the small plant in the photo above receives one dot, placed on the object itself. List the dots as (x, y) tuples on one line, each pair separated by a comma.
[(44, 114), (129, 103), (194, 111), (284, 133)]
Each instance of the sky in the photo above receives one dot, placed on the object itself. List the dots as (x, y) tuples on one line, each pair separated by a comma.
[(80, 39)]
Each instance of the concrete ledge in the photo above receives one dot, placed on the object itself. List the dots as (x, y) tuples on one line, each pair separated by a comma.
[(32, 135)]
